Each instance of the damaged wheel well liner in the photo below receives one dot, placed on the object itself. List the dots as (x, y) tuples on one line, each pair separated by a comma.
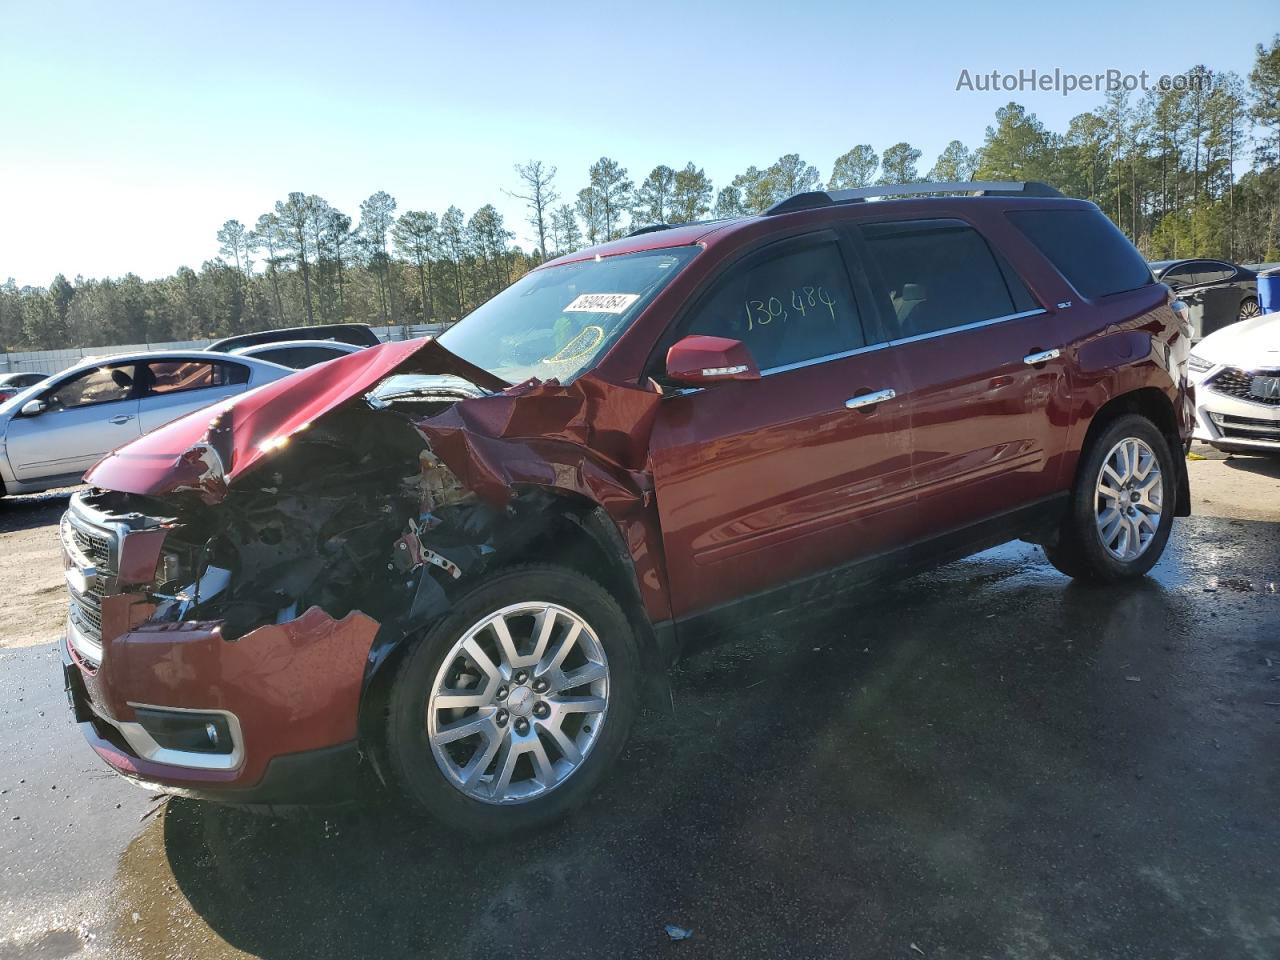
[(573, 533)]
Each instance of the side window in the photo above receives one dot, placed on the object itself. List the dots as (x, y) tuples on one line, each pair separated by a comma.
[(101, 385), (1210, 271), (1181, 276), (941, 274), (1087, 248), (174, 376), (789, 305)]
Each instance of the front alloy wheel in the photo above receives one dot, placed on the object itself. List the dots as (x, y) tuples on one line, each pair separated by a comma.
[(519, 703), (509, 710)]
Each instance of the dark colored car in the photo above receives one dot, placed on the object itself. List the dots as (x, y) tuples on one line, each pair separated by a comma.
[(12, 384), (461, 563), (1219, 293), (356, 334)]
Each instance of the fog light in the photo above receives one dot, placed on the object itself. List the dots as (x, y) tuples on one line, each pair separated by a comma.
[(190, 732)]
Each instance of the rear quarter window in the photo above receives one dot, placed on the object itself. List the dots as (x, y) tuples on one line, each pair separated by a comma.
[(1087, 248)]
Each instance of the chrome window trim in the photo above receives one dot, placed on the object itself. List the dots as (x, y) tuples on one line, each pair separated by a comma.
[(967, 326), (783, 368)]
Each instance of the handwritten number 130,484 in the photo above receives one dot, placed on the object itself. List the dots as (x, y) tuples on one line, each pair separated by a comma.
[(804, 299)]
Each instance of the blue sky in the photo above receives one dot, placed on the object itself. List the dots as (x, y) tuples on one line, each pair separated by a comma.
[(130, 132)]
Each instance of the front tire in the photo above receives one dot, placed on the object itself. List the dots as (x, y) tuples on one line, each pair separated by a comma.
[(512, 708), (1121, 509)]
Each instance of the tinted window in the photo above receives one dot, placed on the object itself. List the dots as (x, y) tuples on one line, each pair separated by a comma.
[(1087, 248), (1179, 275), (1210, 271), (299, 357), (941, 274), (788, 305), (101, 385), (173, 376)]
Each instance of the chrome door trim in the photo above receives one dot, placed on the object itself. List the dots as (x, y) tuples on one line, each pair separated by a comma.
[(869, 399), (872, 348), (967, 326)]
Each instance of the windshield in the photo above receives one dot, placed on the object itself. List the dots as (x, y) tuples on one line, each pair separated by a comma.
[(554, 323)]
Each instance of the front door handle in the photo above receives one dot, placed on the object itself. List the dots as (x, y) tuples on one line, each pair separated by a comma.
[(869, 399), (123, 418), (1044, 356)]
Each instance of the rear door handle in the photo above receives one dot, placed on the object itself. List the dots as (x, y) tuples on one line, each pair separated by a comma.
[(123, 418), (1044, 356), (869, 399)]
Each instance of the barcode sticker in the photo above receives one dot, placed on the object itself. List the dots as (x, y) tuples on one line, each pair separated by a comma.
[(602, 302)]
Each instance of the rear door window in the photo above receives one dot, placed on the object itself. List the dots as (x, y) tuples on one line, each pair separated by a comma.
[(176, 376), (1087, 248), (790, 303), (941, 274)]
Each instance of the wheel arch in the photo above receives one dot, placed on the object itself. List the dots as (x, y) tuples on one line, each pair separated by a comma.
[(576, 534), (1154, 405)]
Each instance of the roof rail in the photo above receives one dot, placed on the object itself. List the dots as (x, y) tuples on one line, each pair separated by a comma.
[(653, 228), (826, 198)]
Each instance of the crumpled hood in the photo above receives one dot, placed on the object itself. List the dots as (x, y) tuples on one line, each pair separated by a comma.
[(207, 450), (1249, 343)]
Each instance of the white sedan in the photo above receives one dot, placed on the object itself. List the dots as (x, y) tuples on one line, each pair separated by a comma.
[(51, 433), (1236, 372)]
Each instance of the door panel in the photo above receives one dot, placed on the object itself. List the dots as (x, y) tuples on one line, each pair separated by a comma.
[(984, 439), (760, 483), (159, 409), (988, 429), (70, 441)]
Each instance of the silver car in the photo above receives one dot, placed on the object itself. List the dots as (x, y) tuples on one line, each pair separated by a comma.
[(51, 433)]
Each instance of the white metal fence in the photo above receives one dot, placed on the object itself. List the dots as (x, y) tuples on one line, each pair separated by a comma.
[(54, 361)]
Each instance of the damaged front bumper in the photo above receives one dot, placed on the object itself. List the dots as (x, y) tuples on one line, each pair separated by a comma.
[(269, 718)]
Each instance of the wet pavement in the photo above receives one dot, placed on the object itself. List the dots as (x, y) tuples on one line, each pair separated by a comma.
[(986, 761)]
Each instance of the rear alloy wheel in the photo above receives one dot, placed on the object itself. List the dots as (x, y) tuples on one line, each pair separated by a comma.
[(1249, 309), (1129, 499), (512, 708), (1119, 519)]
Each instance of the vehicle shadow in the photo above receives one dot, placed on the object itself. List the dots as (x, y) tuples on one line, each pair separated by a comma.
[(33, 510), (1264, 466), (881, 774)]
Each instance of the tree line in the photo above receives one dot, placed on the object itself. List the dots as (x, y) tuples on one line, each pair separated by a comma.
[(1162, 165)]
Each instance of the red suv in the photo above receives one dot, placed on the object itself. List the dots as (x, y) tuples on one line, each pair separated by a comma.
[(463, 562)]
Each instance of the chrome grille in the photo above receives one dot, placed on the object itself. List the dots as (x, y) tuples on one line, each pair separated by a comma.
[(1238, 383), (93, 545), (90, 550)]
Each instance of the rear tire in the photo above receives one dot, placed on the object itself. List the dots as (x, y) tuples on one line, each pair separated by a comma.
[(497, 723), (1121, 508), (1249, 308)]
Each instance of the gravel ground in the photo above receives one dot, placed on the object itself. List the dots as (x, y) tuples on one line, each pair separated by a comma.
[(984, 761)]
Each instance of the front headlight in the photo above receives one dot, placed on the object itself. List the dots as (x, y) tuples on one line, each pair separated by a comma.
[(1197, 364)]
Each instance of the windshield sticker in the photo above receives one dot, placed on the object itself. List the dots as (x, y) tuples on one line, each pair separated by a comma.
[(602, 302)]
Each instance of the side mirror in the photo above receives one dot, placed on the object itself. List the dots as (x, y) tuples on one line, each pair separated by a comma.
[(33, 408), (699, 360)]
